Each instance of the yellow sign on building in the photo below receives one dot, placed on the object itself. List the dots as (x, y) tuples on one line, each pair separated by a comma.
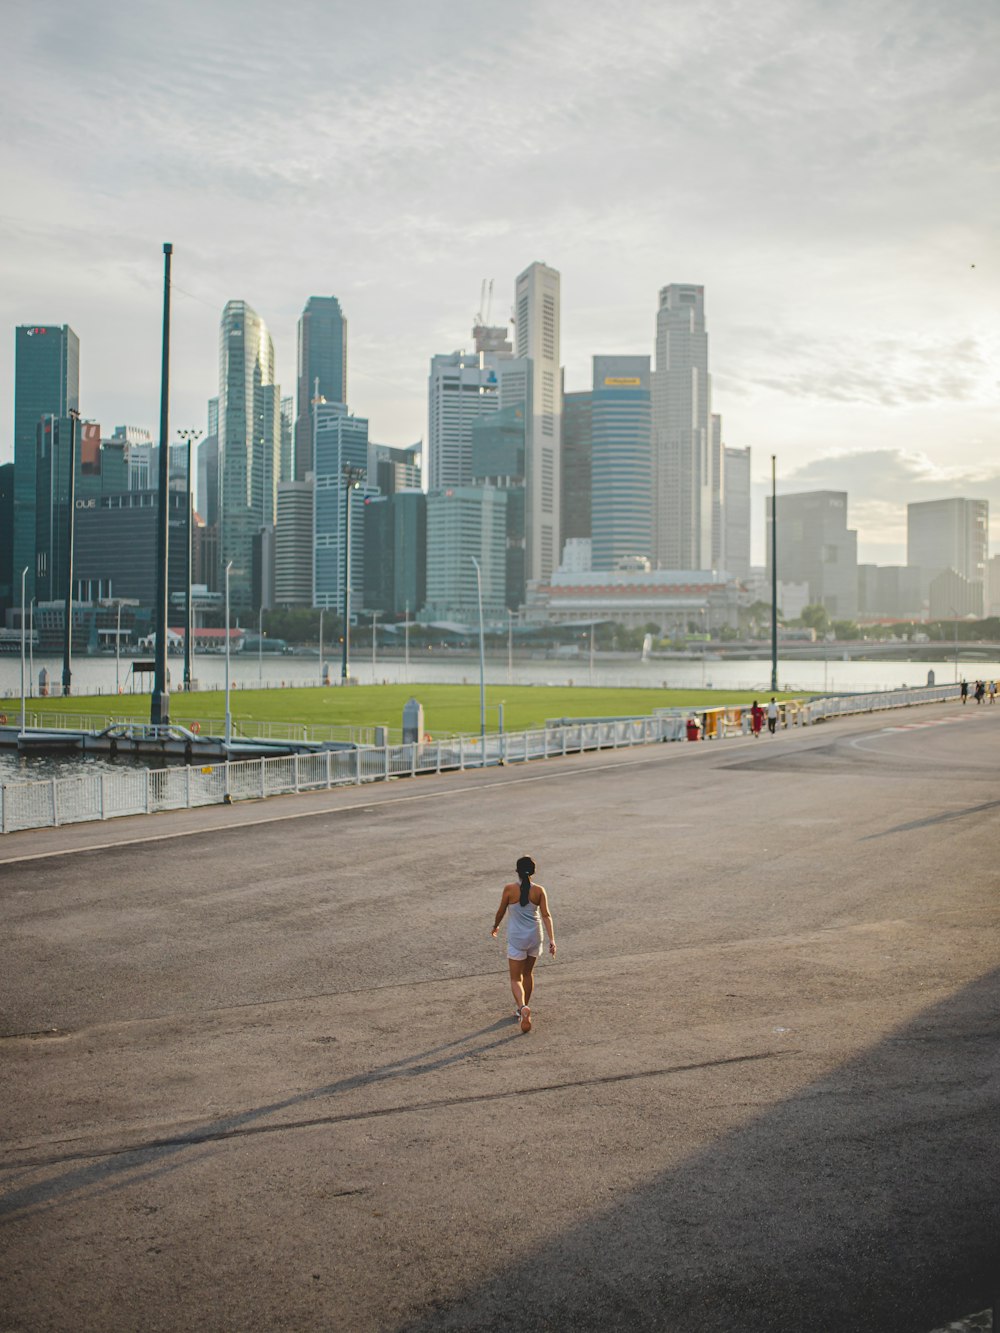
[(623, 381)]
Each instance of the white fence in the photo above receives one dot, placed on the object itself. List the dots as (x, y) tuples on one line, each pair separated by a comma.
[(25, 805)]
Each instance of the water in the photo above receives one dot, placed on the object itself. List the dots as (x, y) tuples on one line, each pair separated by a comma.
[(96, 675)]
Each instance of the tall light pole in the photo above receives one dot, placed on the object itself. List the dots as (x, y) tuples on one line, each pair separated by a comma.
[(229, 716), (24, 575), (955, 614), (159, 712), (510, 648), (67, 671), (321, 610), (353, 477), (118, 649), (482, 661), (31, 648), (406, 636), (260, 645), (374, 629), (774, 578), (187, 436)]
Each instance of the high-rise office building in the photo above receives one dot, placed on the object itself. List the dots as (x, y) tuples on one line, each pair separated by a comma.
[(536, 339), (8, 594), (465, 522), (322, 370), (287, 470), (682, 435), (462, 387), (341, 440), (396, 553), (577, 446), (620, 461), (46, 383), (393, 469), (249, 442), (950, 534), (498, 461), (293, 544), (717, 464), (736, 511), (816, 547)]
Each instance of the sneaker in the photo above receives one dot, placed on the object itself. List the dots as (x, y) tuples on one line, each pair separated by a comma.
[(525, 1019), (517, 1012)]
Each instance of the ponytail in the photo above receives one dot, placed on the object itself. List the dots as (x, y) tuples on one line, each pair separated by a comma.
[(525, 870)]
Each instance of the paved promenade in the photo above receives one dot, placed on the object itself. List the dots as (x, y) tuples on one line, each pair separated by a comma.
[(260, 1069)]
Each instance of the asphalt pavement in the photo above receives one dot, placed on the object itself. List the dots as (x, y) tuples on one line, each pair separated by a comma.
[(260, 1068)]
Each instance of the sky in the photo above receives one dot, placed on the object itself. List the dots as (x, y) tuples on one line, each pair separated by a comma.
[(828, 170)]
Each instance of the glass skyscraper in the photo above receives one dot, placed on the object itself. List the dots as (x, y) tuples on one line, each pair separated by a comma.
[(249, 443), (621, 464), (341, 439), (46, 382), (322, 370)]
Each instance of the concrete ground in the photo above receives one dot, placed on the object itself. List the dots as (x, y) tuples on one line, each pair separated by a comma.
[(260, 1068)]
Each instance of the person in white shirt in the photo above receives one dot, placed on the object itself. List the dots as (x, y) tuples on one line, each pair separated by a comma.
[(772, 716)]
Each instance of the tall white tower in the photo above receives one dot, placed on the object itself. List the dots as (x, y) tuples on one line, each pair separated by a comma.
[(682, 432), (536, 339), (461, 388)]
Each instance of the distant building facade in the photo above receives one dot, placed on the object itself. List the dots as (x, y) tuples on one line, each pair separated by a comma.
[(466, 522), (816, 547), (249, 442), (322, 370), (736, 512), (682, 432), (293, 544), (46, 383), (537, 340), (341, 440), (950, 534), (577, 450), (621, 462), (462, 387)]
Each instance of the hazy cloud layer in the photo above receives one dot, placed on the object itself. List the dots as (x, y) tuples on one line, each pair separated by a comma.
[(829, 172)]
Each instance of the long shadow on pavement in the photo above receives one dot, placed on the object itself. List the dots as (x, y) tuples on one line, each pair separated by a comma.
[(867, 1202), (117, 1169)]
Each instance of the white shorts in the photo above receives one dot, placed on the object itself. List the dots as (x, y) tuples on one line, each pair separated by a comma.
[(521, 954)]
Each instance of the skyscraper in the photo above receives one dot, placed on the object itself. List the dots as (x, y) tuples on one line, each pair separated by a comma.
[(536, 339), (682, 435), (815, 546), (950, 534), (620, 461), (717, 466), (576, 466), (249, 442), (462, 387), (287, 470), (737, 512), (341, 439), (46, 382), (293, 544), (322, 370)]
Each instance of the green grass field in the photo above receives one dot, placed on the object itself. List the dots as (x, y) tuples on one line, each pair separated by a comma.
[(448, 709)]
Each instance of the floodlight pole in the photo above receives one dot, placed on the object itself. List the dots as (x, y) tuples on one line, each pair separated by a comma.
[(774, 578), (482, 662), (159, 713)]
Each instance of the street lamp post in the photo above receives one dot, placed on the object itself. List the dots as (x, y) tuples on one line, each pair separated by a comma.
[(774, 577), (188, 436), (67, 671), (24, 575), (229, 716), (374, 629), (321, 610), (353, 477), (482, 662), (118, 650), (260, 645), (31, 648), (406, 636)]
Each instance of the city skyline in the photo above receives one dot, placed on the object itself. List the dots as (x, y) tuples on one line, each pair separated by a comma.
[(828, 181)]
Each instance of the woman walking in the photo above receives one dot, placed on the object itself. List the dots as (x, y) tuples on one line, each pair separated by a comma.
[(529, 910)]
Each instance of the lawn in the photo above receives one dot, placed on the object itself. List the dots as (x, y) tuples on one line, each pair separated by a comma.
[(448, 709)]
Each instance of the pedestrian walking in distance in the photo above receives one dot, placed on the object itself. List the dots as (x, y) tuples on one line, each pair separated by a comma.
[(965, 691), (772, 716), (756, 719), (528, 906)]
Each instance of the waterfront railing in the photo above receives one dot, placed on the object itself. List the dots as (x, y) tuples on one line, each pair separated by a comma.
[(108, 795)]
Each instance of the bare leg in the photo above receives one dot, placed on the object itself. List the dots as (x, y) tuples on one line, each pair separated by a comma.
[(516, 984), (528, 974)]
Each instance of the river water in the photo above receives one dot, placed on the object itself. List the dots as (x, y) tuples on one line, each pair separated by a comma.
[(732, 679)]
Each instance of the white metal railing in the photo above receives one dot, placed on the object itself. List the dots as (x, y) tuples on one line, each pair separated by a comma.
[(106, 795), (318, 733)]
